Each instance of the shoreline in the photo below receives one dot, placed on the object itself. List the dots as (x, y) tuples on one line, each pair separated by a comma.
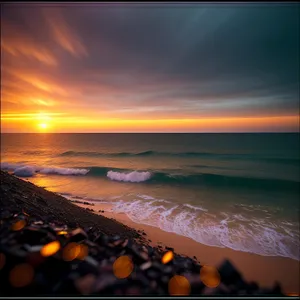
[(265, 270), (17, 194)]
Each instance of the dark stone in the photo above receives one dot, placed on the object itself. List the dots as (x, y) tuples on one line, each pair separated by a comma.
[(32, 236), (42, 201), (228, 273), (5, 214), (77, 235), (170, 248), (277, 289)]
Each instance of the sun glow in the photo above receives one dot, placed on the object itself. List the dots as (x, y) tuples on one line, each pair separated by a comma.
[(43, 121), (43, 125)]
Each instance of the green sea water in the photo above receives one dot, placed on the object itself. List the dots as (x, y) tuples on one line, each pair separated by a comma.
[(238, 191)]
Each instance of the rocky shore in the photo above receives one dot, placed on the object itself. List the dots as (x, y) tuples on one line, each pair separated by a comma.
[(50, 246)]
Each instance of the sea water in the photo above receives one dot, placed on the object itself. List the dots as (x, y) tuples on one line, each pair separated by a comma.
[(238, 191)]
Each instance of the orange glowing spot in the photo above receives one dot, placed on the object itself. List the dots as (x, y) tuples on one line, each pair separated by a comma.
[(210, 276), (293, 294), (25, 213), (179, 286), (50, 249), (2, 260), (62, 232), (84, 250), (167, 257), (18, 225), (71, 251), (21, 275), (122, 267)]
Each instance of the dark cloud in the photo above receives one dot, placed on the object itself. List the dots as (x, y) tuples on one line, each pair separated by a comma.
[(206, 59)]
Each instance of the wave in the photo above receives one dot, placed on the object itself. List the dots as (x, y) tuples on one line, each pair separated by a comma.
[(201, 179), (228, 156), (240, 231), (151, 176), (129, 177), (233, 231), (30, 170)]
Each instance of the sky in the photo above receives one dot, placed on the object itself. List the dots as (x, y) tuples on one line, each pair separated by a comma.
[(150, 67)]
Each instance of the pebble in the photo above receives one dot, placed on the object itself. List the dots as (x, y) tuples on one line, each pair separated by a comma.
[(94, 273)]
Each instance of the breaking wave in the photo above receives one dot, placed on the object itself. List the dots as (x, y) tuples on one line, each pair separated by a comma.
[(152, 176), (30, 170), (129, 177)]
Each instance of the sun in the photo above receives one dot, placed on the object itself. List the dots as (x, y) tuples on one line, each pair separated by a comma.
[(43, 125)]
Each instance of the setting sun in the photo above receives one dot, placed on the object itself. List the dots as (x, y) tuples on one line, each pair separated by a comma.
[(43, 125)]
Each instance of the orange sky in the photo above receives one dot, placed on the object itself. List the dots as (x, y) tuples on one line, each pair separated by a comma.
[(50, 84)]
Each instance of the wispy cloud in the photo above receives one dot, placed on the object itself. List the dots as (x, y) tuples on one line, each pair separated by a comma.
[(17, 44), (63, 33)]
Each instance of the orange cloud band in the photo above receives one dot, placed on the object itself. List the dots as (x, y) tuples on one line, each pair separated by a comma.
[(61, 123)]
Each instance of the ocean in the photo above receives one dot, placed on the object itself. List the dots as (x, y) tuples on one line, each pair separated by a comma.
[(238, 191)]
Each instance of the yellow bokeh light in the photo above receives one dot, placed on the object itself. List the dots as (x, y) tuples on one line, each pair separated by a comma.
[(71, 251), (84, 250), (210, 276), (179, 286), (21, 275), (18, 225), (167, 257), (62, 232), (123, 267), (50, 248)]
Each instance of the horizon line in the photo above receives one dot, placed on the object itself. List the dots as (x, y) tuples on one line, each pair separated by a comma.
[(208, 132)]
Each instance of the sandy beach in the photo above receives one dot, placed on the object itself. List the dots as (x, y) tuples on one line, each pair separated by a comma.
[(262, 269)]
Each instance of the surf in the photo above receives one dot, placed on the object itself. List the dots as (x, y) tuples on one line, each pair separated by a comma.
[(156, 177)]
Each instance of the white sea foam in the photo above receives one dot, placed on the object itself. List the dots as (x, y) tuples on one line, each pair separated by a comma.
[(64, 171), (195, 207), (134, 176), (146, 197), (235, 231), (29, 170)]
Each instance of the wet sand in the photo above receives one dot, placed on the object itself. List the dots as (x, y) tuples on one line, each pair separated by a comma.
[(262, 269)]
